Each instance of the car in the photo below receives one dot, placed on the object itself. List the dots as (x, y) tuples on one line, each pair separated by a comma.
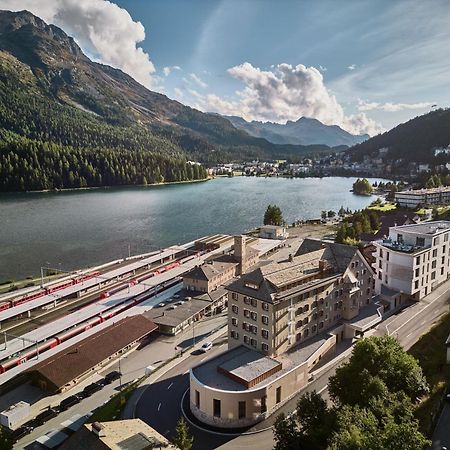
[(447, 397), (91, 389), (169, 300), (162, 304), (206, 347), (179, 303), (112, 376), (21, 432), (172, 307), (68, 402), (176, 296), (187, 299), (46, 416)]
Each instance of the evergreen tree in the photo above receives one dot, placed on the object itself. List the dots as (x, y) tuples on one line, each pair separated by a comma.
[(182, 438), (273, 216)]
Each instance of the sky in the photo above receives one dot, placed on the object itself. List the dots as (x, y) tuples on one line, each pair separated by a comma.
[(361, 64)]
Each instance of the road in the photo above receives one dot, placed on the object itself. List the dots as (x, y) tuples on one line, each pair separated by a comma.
[(159, 404), (132, 367)]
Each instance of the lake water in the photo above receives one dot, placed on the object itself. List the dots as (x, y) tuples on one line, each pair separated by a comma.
[(76, 229)]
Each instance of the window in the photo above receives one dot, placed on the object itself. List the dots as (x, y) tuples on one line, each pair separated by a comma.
[(400, 238), (433, 264), (263, 404), (298, 324), (264, 334), (234, 322), (197, 399), (246, 339), (254, 316), (305, 321), (306, 333), (417, 272), (246, 300), (235, 309), (216, 407), (265, 306), (298, 336), (278, 395), (435, 253), (314, 304), (314, 329), (387, 256), (417, 259), (420, 241), (306, 308), (254, 302), (254, 329), (320, 325), (234, 334), (265, 347), (234, 296), (416, 284), (299, 311), (245, 326), (253, 342), (241, 410), (433, 275), (246, 313), (265, 320)]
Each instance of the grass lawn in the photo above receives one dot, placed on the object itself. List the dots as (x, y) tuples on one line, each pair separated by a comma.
[(384, 207), (430, 350)]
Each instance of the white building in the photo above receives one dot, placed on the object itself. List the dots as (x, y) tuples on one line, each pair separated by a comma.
[(434, 196), (414, 259), (273, 232)]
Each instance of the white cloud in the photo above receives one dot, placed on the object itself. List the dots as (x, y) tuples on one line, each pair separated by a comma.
[(102, 29), (322, 68), (351, 67), (391, 107), (286, 93), (169, 69), (198, 80)]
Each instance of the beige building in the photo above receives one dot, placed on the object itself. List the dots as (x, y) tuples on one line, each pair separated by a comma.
[(433, 196), (282, 318), (220, 269), (117, 435)]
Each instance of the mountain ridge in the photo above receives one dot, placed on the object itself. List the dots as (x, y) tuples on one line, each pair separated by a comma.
[(304, 131)]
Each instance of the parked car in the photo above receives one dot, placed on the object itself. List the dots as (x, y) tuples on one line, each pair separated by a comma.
[(46, 416), (68, 402), (179, 303), (160, 305), (21, 432), (91, 389), (176, 296), (172, 307), (206, 347), (112, 376)]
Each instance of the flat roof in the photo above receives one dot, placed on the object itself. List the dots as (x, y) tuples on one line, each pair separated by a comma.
[(431, 228), (424, 191), (369, 316), (248, 365), (207, 373)]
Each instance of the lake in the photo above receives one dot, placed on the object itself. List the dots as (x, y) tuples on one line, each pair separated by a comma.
[(74, 229)]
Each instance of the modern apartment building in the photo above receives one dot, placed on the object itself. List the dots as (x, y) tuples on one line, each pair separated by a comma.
[(434, 196), (282, 318), (414, 259)]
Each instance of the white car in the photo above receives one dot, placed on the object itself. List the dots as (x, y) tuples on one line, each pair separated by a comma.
[(160, 305), (206, 347)]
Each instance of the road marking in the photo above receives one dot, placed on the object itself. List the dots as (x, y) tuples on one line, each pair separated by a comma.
[(323, 389), (418, 312), (159, 406), (170, 385)]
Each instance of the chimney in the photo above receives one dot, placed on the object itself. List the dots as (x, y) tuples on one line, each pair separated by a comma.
[(239, 252), (98, 429)]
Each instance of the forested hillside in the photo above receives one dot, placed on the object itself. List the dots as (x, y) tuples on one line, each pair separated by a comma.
[(58, 101), (413, 140)]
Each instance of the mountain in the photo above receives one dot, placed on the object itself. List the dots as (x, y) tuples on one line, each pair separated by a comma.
[(412, 141), (55, 100), (304, 131)]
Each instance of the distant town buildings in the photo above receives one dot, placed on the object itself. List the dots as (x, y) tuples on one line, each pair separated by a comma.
[(413, 260), (413, 198), (282, 319)]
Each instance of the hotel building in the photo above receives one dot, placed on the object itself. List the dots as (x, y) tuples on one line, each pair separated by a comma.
[(282, 318)]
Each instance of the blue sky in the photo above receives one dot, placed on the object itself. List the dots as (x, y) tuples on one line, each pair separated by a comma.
[(362, 64)]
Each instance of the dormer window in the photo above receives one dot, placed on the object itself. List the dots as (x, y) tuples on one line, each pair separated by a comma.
[(251, 285)]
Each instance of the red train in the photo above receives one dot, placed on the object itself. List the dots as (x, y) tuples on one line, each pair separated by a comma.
[(33, 296), (78, 329)]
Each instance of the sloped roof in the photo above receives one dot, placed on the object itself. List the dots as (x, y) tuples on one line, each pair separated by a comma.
[(77, 359), (338, 255)]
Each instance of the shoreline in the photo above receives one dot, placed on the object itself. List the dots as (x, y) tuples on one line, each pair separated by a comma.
[(119, 186)]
